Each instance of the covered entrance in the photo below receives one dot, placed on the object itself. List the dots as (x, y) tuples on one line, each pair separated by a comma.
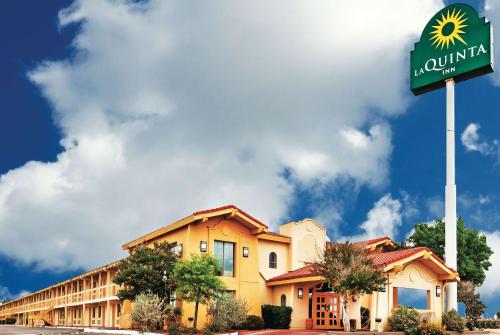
[(326, 311)]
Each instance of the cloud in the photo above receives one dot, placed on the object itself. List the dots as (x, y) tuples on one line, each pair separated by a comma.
[(384, 219), (492, 285), (170, 107), (5, 294), (471, 141)]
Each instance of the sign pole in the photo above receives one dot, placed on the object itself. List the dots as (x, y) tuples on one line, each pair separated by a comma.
[(450, 248), (455, 45)]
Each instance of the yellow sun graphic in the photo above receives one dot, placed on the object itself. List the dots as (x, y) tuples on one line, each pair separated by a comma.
[(448, 29)]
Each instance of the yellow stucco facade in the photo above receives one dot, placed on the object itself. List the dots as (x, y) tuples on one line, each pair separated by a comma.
[(261, 266)]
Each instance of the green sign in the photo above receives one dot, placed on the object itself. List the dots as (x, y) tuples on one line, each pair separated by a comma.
[(456, 43)]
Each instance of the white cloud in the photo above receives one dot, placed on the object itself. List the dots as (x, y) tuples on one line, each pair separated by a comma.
[(435, 207), (5, 294), (471, 140), (170, 107), (492, 285), (384, 219)]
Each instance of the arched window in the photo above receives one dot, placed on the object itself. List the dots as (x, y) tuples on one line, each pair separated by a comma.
[(283, 300), (273, 260)]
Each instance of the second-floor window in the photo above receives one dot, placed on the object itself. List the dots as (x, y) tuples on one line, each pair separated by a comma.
[(224, 252), (273, 260)]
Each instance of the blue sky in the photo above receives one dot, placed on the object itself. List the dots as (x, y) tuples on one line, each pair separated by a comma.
[(118, 119)]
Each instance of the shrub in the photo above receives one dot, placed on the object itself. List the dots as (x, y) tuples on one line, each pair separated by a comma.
[(480, 324), (147, 311), (365, 318), (10, 321), (452, 321), (178, 328), (227, 313), (498, 314), (253, 322), (277, 317), (404, 319), (431, 328)]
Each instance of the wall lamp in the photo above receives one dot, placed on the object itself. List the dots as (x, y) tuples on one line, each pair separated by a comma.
[(203, 246), (300, 292), (438, 291), (245, 251)]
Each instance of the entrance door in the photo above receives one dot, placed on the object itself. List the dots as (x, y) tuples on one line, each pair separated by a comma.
[(326, 310)]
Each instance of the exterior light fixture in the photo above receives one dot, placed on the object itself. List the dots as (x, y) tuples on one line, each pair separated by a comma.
[(300, 292), (203, 246), (245, 252), (438, 291), (179, 249)]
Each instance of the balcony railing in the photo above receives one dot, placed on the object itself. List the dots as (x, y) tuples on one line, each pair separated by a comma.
[(101, 292)]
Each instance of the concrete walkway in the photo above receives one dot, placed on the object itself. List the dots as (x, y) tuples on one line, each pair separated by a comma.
[(11, 329)]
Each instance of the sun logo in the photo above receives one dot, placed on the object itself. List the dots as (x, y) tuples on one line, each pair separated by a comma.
[(448, 29)]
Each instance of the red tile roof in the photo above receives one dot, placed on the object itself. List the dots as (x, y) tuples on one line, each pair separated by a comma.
[(306, 271), (230, 207), (372, 241), (382, 259), (276, 234), (385, 258)]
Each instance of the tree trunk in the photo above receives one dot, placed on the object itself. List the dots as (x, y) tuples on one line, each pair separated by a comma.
[(195, 321), (345, 319)]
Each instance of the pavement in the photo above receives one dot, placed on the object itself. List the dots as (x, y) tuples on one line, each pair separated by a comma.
[(11, 329)]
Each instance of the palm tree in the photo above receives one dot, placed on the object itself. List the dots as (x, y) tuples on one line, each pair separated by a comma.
[(349, 272)]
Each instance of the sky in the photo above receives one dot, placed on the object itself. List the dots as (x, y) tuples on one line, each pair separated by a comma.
[(119, 117)]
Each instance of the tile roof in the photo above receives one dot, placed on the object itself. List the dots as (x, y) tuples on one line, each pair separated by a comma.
[(379, 260), (229, 207), (276, 234), (306, 271), (372, 241), (386, 258)]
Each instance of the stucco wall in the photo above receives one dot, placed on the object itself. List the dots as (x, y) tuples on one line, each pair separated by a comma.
[(281, 250), (308, 241), (414, 275), (246, 280)]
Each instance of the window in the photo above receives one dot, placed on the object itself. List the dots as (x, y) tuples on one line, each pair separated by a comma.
[(273, 260), (224, 252), (283, 300)]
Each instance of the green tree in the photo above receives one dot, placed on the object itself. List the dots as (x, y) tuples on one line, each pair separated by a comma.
[(197, 281), (349, 272), (147, 270), (474, 307), (473, 251)]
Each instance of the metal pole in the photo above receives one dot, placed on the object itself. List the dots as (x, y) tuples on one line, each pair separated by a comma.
[(450, 248)]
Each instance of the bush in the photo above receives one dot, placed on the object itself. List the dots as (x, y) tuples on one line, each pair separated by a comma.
[(277, 317), (498, 314), (10, 321), (148, 311), (452, 321), (227, 313), (427, 328), (489, 324), (178, 328), (404, 319), (253, 322)]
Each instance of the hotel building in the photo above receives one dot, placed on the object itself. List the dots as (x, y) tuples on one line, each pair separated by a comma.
[(261, 266)]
